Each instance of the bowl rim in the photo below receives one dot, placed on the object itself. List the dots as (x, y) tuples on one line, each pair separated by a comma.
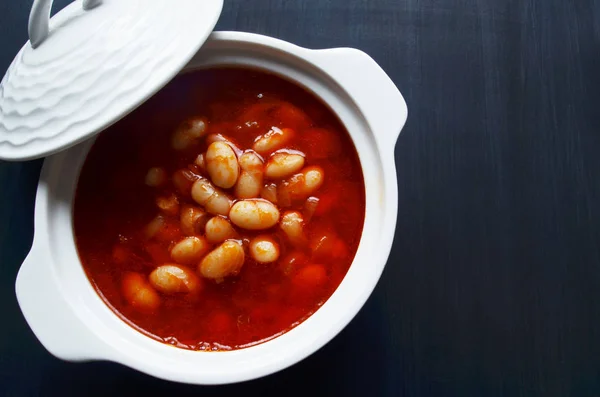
[(374, 106)]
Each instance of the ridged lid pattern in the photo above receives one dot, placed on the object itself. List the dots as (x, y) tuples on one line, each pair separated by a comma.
[(95, 66)]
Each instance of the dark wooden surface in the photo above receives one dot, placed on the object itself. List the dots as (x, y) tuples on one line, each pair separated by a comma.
[(492, 288)]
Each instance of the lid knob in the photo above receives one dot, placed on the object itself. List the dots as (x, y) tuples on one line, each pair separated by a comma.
[(39, 19)]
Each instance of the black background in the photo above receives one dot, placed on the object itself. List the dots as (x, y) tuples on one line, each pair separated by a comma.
[(492, 287)]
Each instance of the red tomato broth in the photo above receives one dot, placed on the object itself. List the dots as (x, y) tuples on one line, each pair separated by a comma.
[(113, 206)]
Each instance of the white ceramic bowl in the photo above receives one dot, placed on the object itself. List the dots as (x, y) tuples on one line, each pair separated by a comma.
[(72, 321)]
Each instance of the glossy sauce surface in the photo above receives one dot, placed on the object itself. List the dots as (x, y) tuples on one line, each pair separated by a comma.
[(114, 205)]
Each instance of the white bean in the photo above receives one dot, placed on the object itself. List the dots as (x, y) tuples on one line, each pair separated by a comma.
[(156, 176), (189, 250), (169, 205), (254, 214), (264, 249), (183, 180), (213, 200), (222, 164), (225, 260), (155, 226), (200, 161), (283, 164), (301, 185), (251, 177), (292, 224), (313, 179), (274, 139), (212, 138), (171, 279), (192, 220), (139, 293), (218, 229), (269, 192), (310, 206), (188, 133)]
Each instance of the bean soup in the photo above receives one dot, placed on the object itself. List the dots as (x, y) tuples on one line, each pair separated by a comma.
[(222, 212)]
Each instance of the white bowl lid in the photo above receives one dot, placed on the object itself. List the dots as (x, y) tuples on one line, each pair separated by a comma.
[(91, 64)]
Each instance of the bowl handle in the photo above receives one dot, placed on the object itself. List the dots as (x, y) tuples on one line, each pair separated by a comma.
[(39, 19), (370, 87), (49, 314)]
